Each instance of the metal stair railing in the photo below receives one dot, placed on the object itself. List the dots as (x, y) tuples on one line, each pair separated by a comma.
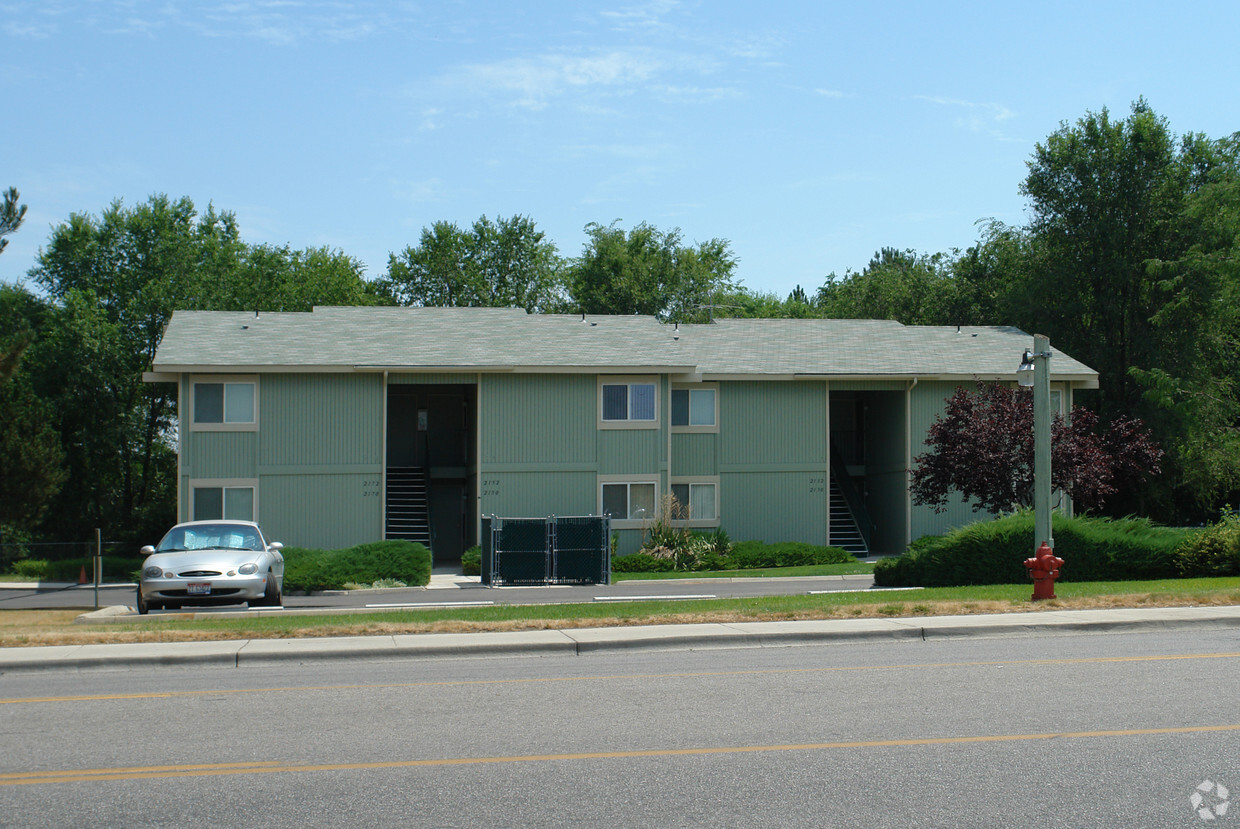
[(852, 498)]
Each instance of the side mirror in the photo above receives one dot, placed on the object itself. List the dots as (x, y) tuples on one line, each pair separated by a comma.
[(275, 545), (148, 550)]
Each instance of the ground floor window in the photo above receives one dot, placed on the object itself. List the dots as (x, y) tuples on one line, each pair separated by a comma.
[(212, 501), (628, 501), (698, 502)]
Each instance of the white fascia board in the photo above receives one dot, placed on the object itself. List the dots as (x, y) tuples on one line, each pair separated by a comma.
[(250, 369), (525, 369), (160, 377)]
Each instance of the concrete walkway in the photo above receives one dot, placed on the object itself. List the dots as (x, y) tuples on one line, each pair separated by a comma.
[(260, 652)]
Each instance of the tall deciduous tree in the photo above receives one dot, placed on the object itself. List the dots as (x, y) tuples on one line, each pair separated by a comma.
[(501, 263), (1132, 244), (981, 448), (31, 460), (1105, 196), (649, 271), (115, 280)]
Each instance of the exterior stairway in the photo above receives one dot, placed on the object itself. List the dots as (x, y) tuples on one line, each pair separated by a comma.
[(408, 508), (844, 530)]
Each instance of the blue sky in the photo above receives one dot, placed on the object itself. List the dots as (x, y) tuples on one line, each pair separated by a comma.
[(808, 134)]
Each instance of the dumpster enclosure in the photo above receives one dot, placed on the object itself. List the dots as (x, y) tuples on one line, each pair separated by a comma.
[(555, 550)]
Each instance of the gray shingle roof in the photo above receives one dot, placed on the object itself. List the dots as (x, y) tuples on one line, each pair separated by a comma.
[(508, 339)]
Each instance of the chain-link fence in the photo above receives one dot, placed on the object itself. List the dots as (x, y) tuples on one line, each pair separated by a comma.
[(555, 550), (68, 561)]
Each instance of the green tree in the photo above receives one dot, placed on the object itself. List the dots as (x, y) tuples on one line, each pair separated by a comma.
[(1104, 196), (31, 460), (115, 280), (1131, 246), (649, 271), (1195, 387), (901, 285), (502, 263), (11, 215)]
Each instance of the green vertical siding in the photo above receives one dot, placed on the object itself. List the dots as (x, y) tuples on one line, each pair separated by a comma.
[(774, 506), (631, 451), (773, 460), (327, 511), (772, 424), (537, 494), (695, 454), (537, 419), (321, 419), (221, 455)]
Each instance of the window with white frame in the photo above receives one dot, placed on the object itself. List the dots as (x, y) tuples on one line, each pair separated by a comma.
[(628, 403), (222, 404), (222, 500), (695, 409), (628, 500), (697, 502)]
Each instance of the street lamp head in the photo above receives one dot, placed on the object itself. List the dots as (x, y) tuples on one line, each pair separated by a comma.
[(1024, 372)]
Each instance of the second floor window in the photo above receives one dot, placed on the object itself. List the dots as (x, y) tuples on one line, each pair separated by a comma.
[(624, 402)]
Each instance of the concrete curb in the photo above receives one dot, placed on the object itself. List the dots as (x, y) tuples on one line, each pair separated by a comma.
[(579, 641)]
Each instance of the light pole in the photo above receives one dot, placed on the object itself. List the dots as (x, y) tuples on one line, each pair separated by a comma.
[(1035, 370)]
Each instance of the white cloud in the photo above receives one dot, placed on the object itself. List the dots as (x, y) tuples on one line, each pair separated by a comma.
[(644, 16), (418, 191), (534, 80), (978, 117)]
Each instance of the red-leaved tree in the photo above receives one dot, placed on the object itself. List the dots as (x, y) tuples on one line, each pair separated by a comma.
[(981, 447)]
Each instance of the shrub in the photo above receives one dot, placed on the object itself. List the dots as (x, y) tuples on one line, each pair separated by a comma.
[(755, 555), (307, 569), (1215, 551), (32, 568), (115, 568), (471, 562), (641, 563), (700, 554), (993, 552)]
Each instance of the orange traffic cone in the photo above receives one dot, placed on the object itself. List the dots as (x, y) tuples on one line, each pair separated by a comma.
[(82, 576)]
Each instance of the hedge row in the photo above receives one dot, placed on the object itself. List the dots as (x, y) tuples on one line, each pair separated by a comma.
[(307, 569), (746, 555), (993, 552), (115, 568)]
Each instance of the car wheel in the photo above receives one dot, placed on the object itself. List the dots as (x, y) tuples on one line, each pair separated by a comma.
[(143, 607), (271, 595)]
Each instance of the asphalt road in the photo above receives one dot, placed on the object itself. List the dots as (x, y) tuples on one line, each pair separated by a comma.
[(84, 597), (1100, 730)]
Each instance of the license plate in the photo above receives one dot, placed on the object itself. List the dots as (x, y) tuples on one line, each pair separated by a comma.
[(198, 588)]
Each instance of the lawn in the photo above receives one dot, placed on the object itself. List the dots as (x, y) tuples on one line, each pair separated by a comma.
[(57, 627), (852, 568)]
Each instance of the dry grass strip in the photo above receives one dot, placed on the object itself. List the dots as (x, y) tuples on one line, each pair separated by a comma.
[(29, 628)]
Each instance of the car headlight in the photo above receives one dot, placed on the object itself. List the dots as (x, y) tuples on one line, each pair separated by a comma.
[(248, 569), (152, 572)]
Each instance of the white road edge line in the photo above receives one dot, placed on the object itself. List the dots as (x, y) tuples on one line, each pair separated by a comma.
[(651, 598), (432, 604)]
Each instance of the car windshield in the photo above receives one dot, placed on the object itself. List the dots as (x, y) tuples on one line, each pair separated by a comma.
[(210, 536)]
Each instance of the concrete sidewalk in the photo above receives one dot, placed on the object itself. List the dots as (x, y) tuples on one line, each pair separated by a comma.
[(266, 652)]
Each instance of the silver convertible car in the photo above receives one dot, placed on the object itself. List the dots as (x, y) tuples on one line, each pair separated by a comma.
[(212, 562)]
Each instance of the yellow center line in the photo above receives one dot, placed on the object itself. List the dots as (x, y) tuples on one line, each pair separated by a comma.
[(1098, 660), (215, 770)]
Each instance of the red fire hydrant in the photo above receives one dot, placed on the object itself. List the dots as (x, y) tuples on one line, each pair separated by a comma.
[(1044, 568)]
